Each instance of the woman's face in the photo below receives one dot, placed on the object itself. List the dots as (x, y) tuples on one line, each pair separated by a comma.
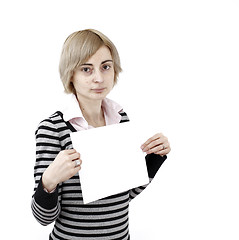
[(94, 79)]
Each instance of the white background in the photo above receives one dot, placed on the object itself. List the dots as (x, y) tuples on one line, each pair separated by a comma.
[(180, 61)]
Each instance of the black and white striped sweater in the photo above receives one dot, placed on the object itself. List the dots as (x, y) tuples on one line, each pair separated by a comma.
[(103, 219)]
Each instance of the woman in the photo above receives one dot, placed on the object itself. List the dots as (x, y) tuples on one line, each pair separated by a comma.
[(89, 68)]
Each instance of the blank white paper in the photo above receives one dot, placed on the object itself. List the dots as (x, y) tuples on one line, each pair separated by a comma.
[(112, 161)]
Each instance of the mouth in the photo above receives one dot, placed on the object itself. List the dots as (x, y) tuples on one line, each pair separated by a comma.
[(98, 90)]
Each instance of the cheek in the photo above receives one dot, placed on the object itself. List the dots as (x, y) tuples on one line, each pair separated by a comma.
[(110, 83), (110, 79), (80, 83)]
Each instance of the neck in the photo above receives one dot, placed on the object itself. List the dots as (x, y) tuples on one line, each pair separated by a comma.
[(92, 112)]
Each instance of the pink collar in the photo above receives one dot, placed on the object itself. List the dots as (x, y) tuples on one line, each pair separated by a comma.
[(73, 114)]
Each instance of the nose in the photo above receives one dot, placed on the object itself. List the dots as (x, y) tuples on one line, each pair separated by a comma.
[(98, 77)]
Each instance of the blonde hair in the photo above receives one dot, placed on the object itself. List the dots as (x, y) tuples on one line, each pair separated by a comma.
[(78, 48)]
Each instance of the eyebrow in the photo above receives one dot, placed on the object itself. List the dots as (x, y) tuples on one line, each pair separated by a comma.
[(90, 64)]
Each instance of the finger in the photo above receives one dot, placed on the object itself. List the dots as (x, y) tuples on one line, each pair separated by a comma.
[(156, 142), (164, 151), (75, 170), (73, 156), (153, 144), (77, 162), (156, 136), (157, 148), (69, 151)]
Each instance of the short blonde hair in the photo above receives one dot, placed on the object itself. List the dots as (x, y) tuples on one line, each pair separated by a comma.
[(78, 48)]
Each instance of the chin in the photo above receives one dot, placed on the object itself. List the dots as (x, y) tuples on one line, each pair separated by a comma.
[(100, 95)]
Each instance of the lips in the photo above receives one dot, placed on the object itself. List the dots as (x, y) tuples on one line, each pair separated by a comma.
[(98, 90)]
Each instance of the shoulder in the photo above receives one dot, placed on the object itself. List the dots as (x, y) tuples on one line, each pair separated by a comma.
[(54, 130), (52, 123), (113, 109), (124, 116)]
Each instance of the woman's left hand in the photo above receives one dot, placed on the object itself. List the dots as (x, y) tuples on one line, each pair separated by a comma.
[(158, 144)]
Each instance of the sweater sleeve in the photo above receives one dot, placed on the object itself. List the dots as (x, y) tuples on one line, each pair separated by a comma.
[(45, 206), (153, 163)]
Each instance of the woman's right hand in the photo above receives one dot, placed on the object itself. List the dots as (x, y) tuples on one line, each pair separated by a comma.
[(61, 169)]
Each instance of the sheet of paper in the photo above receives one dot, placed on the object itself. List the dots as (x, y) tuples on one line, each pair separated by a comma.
[(112, 161)]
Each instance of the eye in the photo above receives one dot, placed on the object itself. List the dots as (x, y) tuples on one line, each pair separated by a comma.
[(106, 67), (86, 69)]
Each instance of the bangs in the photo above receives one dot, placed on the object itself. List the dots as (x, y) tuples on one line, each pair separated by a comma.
[(83, 46)]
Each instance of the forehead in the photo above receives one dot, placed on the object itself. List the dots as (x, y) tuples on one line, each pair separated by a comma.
[(102, 54)]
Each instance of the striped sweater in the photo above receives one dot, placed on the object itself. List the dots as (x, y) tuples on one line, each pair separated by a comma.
[(100, 220)]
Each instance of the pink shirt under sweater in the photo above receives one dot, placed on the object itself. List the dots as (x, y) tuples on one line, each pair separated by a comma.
[(73, 114)]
